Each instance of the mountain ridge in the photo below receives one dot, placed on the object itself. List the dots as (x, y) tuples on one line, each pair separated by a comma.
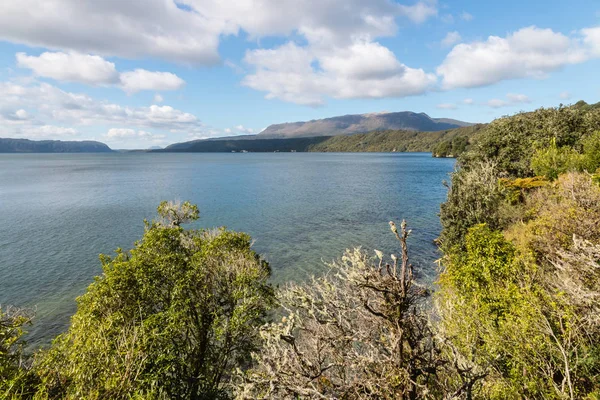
[(10, 145), (360, 123)]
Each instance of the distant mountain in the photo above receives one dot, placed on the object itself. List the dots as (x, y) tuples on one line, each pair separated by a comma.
[(362, 123), (51, 146), (377, 141)]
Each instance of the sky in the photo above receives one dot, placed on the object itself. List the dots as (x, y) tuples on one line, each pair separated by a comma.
[(144, 73)]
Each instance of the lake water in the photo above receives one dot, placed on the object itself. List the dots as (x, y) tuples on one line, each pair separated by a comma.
[(58, 212)]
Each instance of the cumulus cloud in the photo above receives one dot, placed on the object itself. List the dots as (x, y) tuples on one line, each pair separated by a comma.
[(420, 11), (133, 28), (307, 74), (21, 114), (451, 39), (140, 79), (468, 101), (518, 98), (94, 70), (565, 95), (158, 98), (189, 31), (511, 99), (243, 129), (591, 37), (70, 67), (53, 104), (528, 53)]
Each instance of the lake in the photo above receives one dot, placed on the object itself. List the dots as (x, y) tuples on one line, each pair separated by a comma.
[(59, 211)]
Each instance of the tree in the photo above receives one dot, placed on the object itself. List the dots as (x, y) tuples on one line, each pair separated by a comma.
[(359, 332), (171, 318)]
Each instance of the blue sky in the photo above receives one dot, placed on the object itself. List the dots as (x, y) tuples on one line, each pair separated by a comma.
[(147, 73)]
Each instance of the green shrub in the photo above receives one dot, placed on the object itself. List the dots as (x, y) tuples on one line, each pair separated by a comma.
[(172, 318), (16, 379), (552, 161), (474, 197)]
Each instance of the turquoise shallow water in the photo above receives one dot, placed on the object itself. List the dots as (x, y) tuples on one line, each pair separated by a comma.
[(58, 212)]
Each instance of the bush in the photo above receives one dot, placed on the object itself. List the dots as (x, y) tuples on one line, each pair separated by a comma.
[(552, 161), (510, 142), (357, 333), (172, 318), (591, 152), (16, 379), (474, 196)]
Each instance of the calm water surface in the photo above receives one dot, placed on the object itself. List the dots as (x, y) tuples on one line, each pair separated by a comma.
[(58, 212)]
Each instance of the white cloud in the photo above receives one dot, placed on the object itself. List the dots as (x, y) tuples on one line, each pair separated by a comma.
[(52, 104), (512, 99), (362, 61), (591, 37), (94, 70), (189, 31), (305, 75), (133, 28), (565, 95), (518, 98), (451, 39), (71, 67), (21, 114), (528, 53), (140, 79), (420, 11), (158, 98), (468, 101), (242, 128), (447, 106)]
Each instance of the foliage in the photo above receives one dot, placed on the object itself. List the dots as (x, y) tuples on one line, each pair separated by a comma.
[(401, 141), (553, 161), (451, 148), (172, 318), (474, 197), (511, 141), (358, 332), (516, 189), (520, 307), (591, 152), (16, 381), (517, 299)]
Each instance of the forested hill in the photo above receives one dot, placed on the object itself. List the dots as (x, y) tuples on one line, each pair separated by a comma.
[(400, 141), (378, 141), (51, 146)]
